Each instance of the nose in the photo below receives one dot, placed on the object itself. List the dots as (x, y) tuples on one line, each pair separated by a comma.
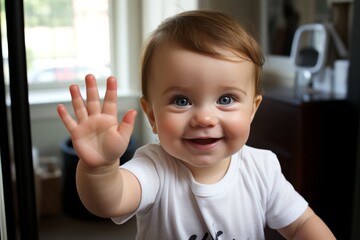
[(204, 118)]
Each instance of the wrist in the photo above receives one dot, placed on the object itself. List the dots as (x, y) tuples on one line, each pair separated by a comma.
[(99, 169)]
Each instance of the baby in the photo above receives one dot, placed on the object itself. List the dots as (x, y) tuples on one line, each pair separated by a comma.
[(201, 87)]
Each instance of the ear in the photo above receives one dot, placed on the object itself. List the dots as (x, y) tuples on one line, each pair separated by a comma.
[(256, 105), (147, 108)]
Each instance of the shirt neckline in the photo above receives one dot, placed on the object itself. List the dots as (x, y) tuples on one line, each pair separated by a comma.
[(209, 190)]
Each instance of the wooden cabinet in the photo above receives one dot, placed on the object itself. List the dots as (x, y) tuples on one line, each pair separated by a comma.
[(314, 137)]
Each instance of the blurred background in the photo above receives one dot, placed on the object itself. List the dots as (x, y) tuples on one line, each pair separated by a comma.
[(309, 121)]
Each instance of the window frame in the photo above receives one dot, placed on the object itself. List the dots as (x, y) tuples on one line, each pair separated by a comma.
[(124, 57)]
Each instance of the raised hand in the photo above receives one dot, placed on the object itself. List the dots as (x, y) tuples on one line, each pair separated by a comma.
[(97, 136)]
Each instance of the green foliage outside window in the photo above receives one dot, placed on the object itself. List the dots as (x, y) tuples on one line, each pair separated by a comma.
[(49, 13)]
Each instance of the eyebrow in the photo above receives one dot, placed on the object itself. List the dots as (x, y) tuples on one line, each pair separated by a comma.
[(173, 89), (231, 89), (182, 89)]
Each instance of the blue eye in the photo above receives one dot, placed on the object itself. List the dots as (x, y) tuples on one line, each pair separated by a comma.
[(182, 101), (225, 100)]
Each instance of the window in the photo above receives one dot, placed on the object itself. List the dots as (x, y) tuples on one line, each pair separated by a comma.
[(65, 40)]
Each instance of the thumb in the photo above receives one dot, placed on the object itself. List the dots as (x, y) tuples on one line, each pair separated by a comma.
[(127, 124)]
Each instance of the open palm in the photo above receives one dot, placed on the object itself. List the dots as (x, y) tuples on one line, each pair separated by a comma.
[(97, 136)]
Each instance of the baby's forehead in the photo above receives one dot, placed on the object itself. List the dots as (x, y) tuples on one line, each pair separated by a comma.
[(172, 60)]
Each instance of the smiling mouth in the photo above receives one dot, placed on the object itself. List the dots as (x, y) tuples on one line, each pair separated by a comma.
[(204, 144), (204, 141)]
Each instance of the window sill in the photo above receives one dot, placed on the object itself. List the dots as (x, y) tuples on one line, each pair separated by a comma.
[(63, 96), (43, 103)]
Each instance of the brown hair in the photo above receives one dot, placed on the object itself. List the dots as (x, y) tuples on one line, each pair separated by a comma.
[(206, 32)]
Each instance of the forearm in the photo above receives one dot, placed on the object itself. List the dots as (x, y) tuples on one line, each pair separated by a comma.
[(308, 227), (100, 189), (314, 229)]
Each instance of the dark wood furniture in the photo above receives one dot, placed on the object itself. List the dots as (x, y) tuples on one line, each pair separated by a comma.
[(314, 136)]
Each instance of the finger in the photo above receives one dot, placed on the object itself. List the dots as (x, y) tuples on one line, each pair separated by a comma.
[(110, 101), (78, 104), (92, 95), (66, 118), (126, 126)]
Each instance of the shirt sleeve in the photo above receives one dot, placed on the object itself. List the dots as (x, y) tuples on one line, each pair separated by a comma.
[(285, 204)]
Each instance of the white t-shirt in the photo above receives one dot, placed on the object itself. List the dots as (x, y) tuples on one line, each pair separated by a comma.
[(253, 193)]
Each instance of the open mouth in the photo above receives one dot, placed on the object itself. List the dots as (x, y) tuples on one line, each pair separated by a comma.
[(204, 144)]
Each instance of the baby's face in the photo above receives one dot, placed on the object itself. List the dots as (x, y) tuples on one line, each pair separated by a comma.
[(201, 107)]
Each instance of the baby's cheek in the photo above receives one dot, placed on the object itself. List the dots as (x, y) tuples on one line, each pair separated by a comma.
[(169, 127), (238, 130)]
